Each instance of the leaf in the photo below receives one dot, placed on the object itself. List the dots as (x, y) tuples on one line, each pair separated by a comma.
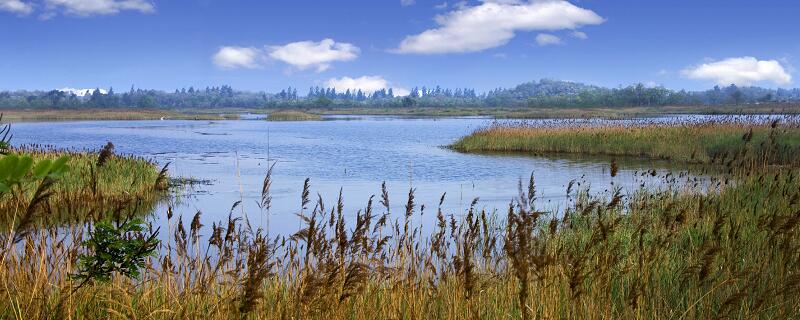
[(23, 166), (41, 169)]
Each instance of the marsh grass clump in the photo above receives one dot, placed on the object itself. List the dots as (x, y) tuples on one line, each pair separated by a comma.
[(725, 248), (292, 115), (688, 141), (97, 183)]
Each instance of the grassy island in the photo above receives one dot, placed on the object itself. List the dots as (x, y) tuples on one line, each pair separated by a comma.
[(292, 115), (694, 143)]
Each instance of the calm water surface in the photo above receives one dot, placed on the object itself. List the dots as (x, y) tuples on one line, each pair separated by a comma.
[(354, 154)]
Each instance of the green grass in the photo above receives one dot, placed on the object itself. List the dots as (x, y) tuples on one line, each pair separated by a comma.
[(703, 143), (87, 191), (292, 115)]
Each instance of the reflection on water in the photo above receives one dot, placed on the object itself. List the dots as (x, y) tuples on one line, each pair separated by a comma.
[(354, 156)]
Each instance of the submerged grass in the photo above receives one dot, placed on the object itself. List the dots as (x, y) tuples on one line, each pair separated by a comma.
[(708, 142), (292, 115), (727, 247)]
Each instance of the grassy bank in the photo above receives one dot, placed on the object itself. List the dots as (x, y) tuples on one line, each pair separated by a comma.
[(292, 115), (94, 185), (732, 251), (566, 113), (108, 114), (455, 111), (700, 142)]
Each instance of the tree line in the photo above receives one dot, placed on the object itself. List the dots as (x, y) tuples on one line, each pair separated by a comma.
[(542, 93)]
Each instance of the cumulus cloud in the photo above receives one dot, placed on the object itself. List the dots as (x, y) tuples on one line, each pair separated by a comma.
[(96, 7), (16, 6), (407, 3), (494, 23), (238, 57), (367, 84), (546, 39), (309, 54), (740, 71)]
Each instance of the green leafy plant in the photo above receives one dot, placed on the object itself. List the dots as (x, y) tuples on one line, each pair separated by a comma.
[(19, 170), (121, 247)]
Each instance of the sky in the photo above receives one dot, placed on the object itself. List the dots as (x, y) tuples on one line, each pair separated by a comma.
[(270, 45)]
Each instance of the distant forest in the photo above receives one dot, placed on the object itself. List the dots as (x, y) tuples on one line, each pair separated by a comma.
[(543, 93)]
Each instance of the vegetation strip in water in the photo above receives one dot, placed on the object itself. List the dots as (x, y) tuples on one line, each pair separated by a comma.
[(717, 250), (292, 115), (707, 142)]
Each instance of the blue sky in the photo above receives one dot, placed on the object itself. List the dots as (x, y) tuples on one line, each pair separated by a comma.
[(268, 45)]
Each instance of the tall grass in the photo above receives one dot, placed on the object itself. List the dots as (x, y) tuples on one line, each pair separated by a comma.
[(708, 142), (726, 248), (96, 184)]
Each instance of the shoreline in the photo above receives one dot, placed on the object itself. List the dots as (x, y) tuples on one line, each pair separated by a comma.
[(32, 115)]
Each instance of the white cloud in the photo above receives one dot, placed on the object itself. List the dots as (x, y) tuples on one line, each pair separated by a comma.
[(310, 54), (407, 3), (740, 71), (16, 6), (81, 92), (494, 23), (579, 35), (97, 7), (441, 6), (238, 57), (546, 39), (367, 84)]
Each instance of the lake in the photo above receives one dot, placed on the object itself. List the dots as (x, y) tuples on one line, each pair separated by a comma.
[(354, 154)]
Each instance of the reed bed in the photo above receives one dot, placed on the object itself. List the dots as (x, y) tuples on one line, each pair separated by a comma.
[(96, 183), (690, 142), (292, 115), (728, 247)]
